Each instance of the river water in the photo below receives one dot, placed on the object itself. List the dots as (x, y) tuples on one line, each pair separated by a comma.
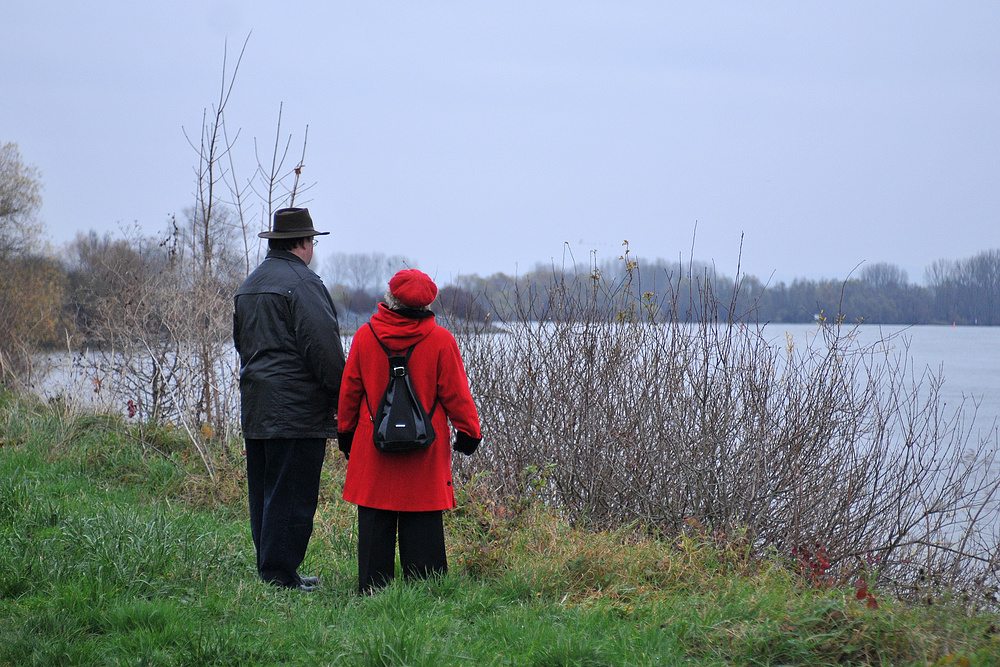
[(967, 359)]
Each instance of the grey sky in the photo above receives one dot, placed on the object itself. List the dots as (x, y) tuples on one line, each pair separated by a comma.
[(486, 136)]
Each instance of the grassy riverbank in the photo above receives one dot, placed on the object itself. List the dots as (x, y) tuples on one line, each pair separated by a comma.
[(116, 548)]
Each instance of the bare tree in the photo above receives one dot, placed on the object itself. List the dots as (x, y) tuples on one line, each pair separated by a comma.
[(23, 278), (363, 271), (20, 201), (968, 291), (881, 275)]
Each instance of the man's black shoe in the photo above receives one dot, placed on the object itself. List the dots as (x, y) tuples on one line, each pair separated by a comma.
[(309, 581), (300, 585)]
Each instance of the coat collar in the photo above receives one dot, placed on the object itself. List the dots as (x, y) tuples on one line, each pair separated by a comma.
[(285, 255)]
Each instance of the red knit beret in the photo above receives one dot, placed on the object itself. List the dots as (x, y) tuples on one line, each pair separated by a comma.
[(413, 288)]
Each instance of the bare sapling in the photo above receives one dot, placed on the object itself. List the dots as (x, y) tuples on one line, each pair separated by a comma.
[(159, 311)]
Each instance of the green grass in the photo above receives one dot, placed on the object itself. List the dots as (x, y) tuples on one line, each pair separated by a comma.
[(111, 553)]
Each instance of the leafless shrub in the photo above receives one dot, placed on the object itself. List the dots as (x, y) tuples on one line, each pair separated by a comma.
[(824, 444), (155, 325)]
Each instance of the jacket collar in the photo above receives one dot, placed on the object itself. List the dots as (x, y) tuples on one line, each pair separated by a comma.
[(285, 255)]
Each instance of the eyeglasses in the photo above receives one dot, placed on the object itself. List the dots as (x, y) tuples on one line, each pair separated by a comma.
[(315, 241)]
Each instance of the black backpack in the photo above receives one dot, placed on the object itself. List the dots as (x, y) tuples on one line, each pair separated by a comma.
[(401, 424)]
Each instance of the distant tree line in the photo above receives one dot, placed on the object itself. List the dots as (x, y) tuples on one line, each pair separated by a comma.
[(965, 292), (49, 300)]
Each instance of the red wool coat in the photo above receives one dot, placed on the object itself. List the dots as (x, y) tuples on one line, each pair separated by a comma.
[(418, 481)]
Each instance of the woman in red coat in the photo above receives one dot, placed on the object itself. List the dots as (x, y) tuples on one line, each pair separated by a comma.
[(403, 492)]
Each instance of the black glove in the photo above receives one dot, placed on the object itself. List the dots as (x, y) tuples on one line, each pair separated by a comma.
[(465, 443), (344, 440)]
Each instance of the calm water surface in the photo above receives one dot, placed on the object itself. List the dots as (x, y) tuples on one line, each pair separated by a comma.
[(967, 358)]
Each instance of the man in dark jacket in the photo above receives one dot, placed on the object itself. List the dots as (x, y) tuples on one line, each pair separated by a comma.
[(291, 361)]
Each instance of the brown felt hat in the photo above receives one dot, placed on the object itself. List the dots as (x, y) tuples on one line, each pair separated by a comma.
[(291, 223)]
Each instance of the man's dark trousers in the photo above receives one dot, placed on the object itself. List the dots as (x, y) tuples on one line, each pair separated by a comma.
[(283, 485)]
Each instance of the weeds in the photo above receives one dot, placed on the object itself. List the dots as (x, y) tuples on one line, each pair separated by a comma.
[(825, 441)]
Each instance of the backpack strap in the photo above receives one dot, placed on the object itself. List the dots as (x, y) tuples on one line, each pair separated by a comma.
[(406, 360)]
